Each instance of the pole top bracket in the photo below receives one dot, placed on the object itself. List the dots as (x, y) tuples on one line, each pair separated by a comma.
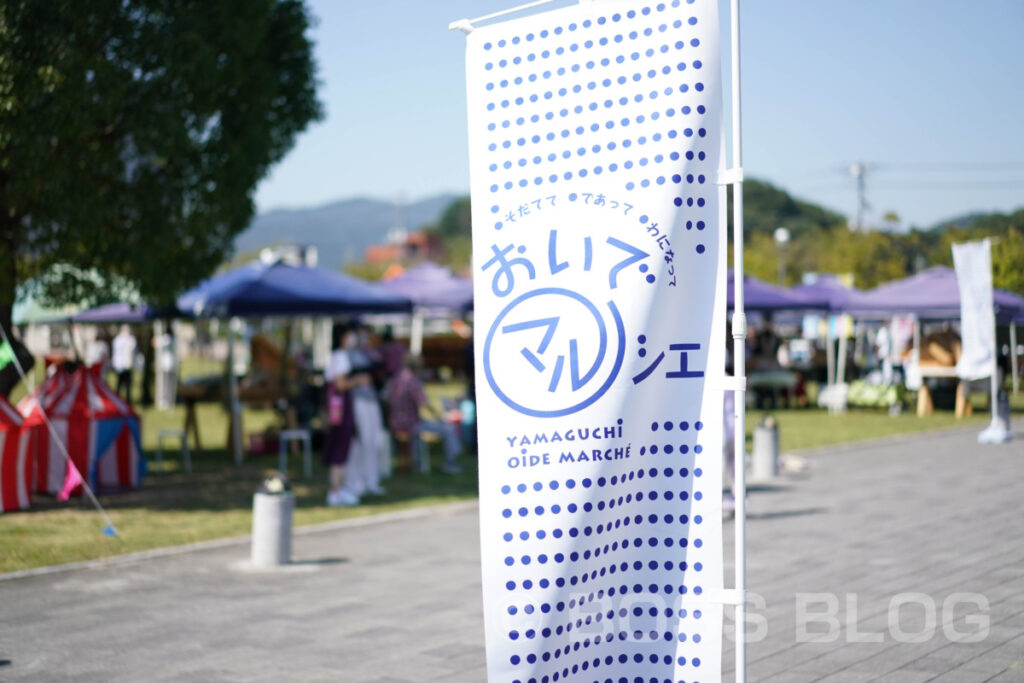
[(730, 176)]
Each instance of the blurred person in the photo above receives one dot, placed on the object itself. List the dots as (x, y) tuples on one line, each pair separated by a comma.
[(405, 399), (392, 353), (341, 424), (468, 409), (368, 447), (883, 350), (123, 361), (766, 348), (97, 352)]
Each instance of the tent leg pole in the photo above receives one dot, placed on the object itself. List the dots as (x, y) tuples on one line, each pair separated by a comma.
[(416, 334), (841, 358), (234, 405), (158, 377), (994, 383), (830, 361), (1013, 359)]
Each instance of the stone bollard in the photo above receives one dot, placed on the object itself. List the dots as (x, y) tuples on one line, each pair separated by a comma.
[(272, 508), (765, 456)]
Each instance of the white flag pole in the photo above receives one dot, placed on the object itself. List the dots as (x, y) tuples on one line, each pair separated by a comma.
[(994, 400), (739, 336)]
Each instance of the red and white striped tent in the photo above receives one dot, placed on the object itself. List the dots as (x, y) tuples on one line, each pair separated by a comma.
[(98, 428), (15, 463), (47, 464)]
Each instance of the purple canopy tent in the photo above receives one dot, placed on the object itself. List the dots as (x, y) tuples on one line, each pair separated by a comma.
[(430, 287), (932, 294), (828, 291), (122, 313), (831, 295), (758, 295)]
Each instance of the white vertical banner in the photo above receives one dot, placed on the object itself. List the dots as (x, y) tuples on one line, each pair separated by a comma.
[(973, 262), (598, 245)]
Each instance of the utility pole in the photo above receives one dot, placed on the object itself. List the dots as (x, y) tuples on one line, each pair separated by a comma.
[(859, 171)]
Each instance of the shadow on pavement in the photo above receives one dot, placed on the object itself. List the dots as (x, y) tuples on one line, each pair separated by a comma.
[(781, 514), (320, 561)]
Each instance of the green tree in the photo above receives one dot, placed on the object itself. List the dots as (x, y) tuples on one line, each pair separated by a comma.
[(1007, 247), (454, 227), (366, 271), (760, 257), (457, 219), (133, 134), (1008, 261)]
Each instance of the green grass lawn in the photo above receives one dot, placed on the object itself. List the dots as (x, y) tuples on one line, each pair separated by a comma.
[(813, 428), (215, 501), (172, 508), (804, 429)]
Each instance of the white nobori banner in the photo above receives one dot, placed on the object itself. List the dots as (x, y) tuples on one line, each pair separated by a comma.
[(598, 246), (973, 261)]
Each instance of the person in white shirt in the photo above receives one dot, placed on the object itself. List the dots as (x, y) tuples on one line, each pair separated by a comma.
[(97, 353), (363, 474), (123, 360)]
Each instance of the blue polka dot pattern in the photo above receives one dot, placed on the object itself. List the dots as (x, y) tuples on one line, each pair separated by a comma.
[(581, 100), (601, 531)]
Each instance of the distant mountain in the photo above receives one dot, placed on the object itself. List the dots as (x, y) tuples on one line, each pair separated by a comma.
[(767, 207), (964, 221), (341, 230)]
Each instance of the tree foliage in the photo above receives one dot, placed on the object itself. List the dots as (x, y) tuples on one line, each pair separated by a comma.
[(1008, 261), (454, 227), (821, 241), (133, 134)]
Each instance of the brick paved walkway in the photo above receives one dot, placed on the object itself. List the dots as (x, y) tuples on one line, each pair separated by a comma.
[(400, 601)]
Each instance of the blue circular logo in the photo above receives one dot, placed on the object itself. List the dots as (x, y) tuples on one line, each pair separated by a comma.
[(545, 351)]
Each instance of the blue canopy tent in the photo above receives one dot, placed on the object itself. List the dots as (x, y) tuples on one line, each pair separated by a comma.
[(278, 289)]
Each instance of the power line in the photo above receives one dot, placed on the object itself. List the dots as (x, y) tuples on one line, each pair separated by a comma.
[(839, 185), (955, 184), (946, 167)]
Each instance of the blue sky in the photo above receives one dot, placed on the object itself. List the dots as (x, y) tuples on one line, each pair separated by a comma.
[(930, 93)]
